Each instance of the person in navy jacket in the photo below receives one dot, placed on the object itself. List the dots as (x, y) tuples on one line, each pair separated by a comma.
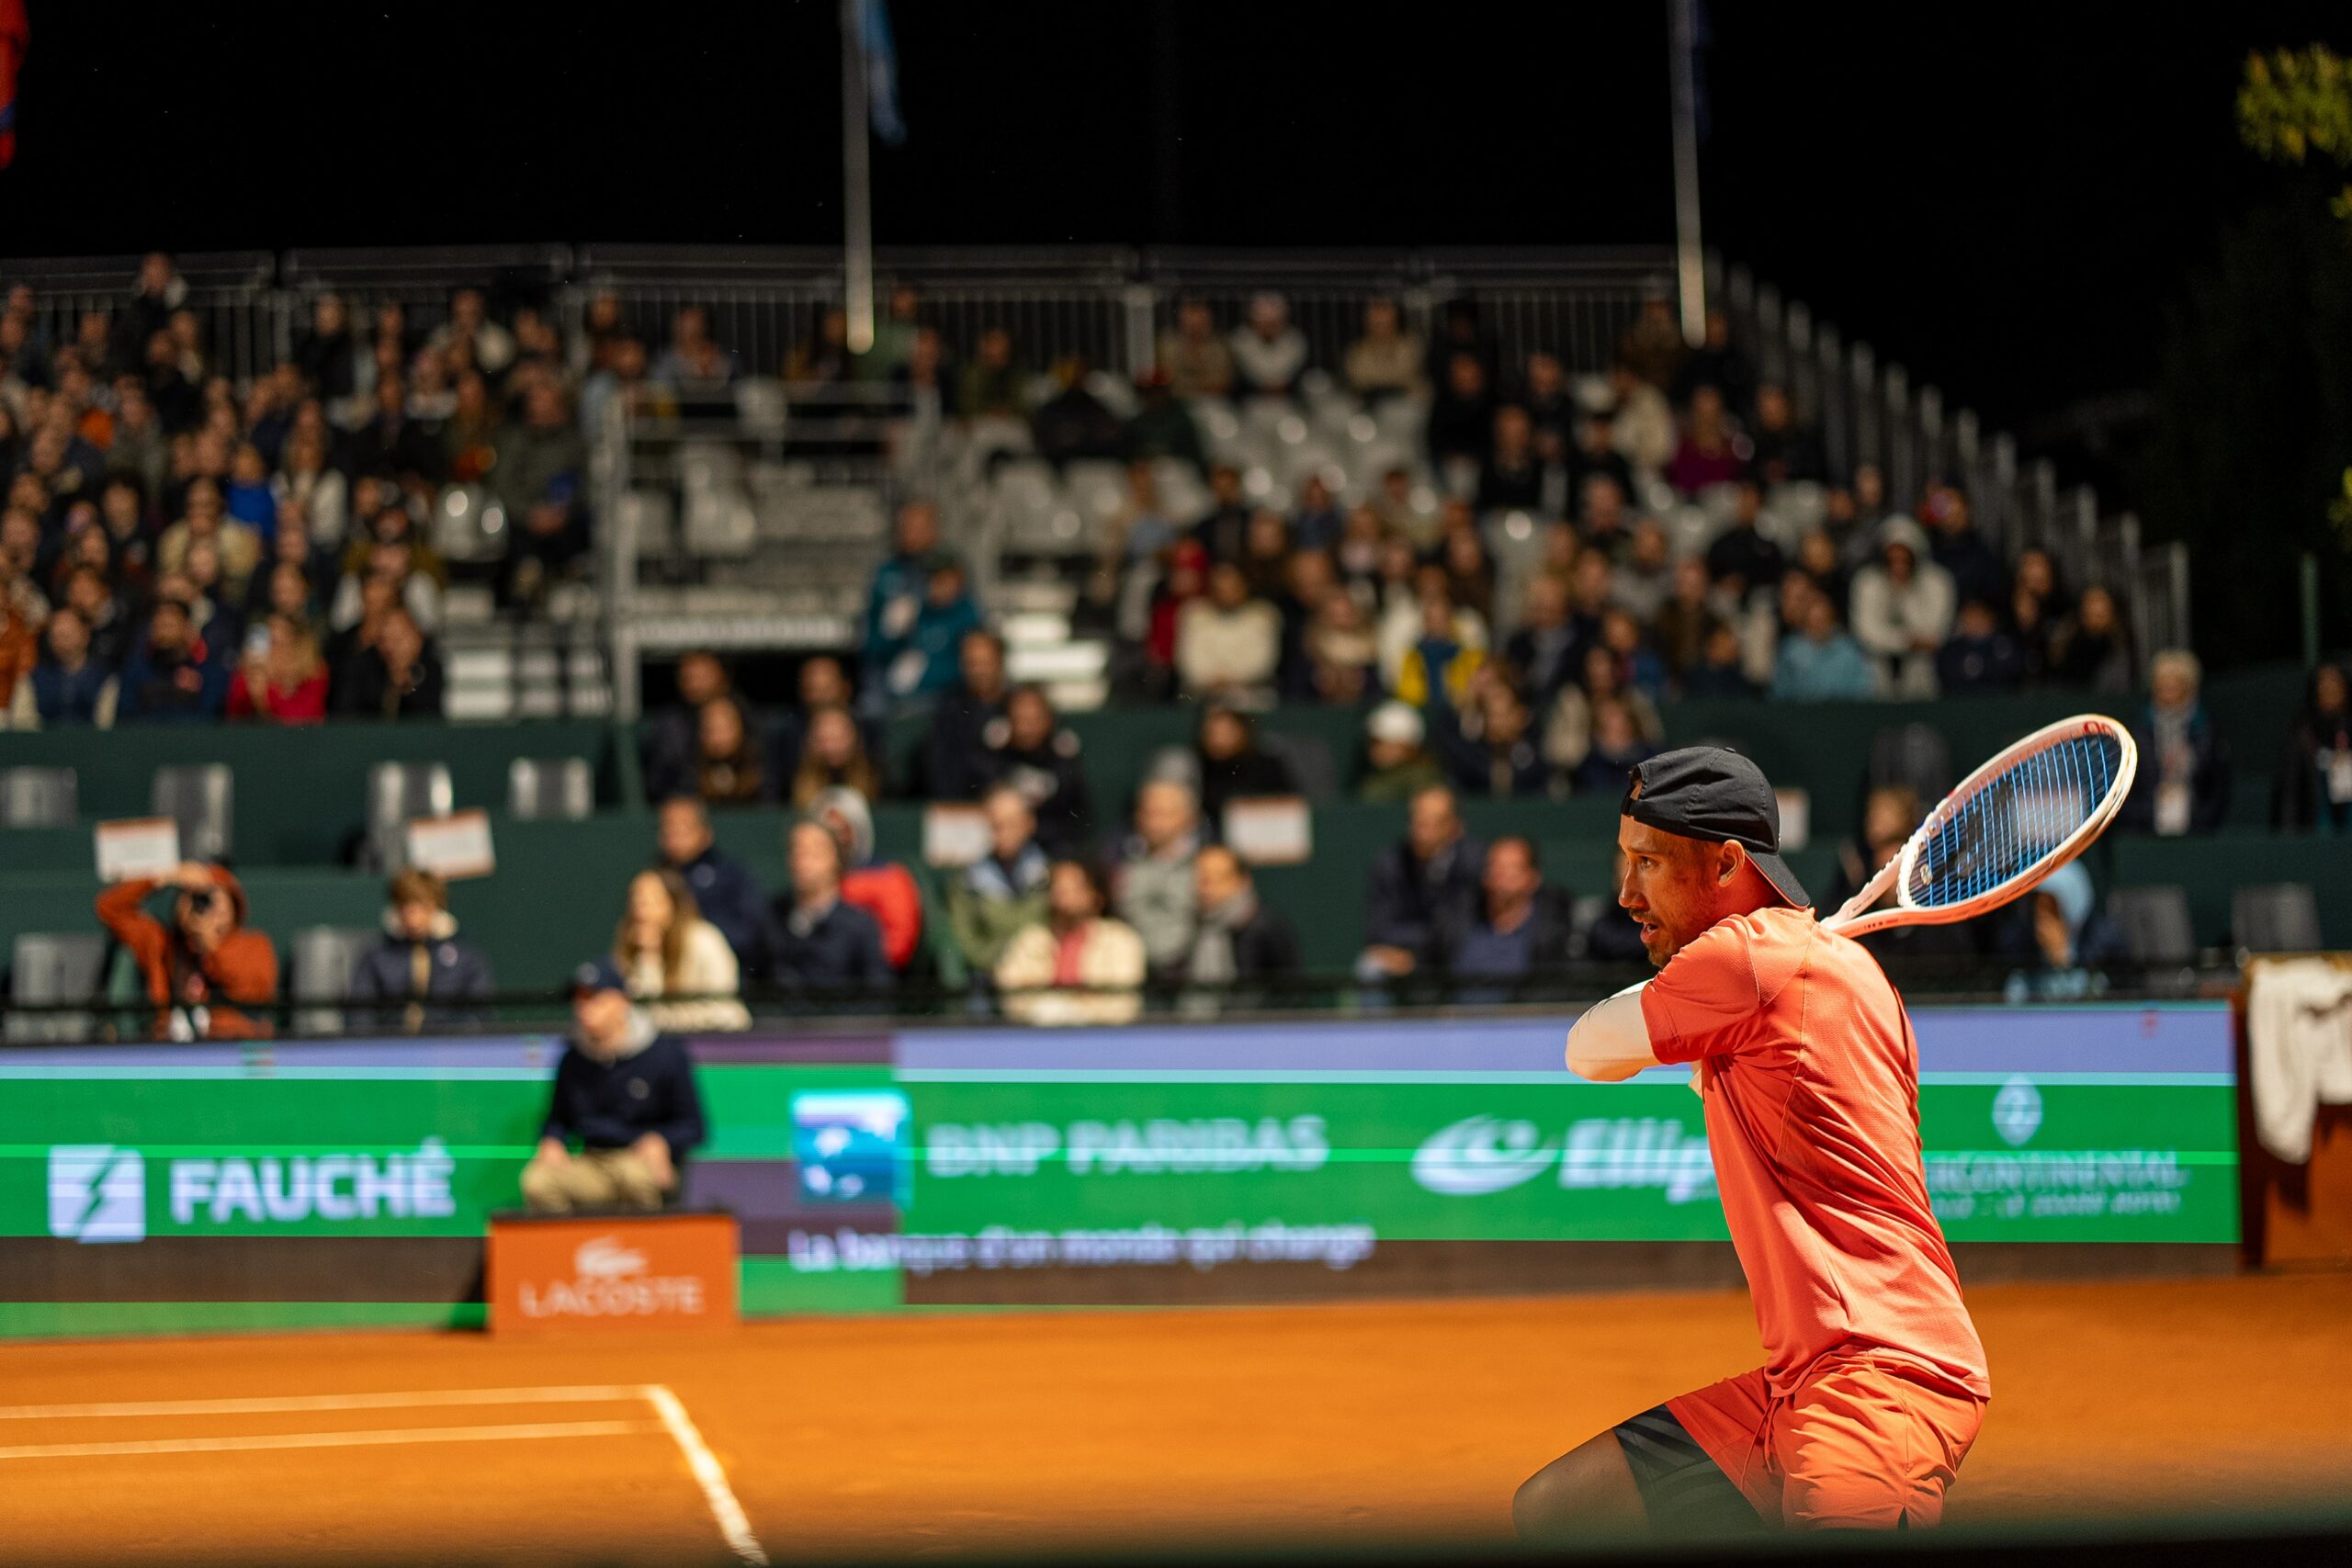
[(625, 1094)]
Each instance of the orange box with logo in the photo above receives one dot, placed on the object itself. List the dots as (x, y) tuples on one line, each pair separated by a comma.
[(588, 1275)]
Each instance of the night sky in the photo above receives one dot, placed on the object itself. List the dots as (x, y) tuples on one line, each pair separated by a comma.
[(2004, 196)]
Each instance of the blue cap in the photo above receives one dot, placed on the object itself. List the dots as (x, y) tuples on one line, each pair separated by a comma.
[(597, 974)]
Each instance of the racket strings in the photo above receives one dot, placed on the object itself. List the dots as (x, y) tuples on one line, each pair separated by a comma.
[(2015, 821)]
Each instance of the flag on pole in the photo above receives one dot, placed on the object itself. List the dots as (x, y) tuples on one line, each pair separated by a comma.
[(881, 72)]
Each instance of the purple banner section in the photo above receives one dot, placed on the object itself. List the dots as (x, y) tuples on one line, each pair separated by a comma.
[(421, 1054), (2172, 1038), (801, 1050)]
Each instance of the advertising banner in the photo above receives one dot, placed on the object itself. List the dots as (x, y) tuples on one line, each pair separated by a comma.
[(198, 1186)]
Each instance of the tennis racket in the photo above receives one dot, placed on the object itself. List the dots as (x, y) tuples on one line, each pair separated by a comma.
[(2012, 822)]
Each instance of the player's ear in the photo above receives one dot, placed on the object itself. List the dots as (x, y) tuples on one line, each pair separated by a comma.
[(1733, 857)]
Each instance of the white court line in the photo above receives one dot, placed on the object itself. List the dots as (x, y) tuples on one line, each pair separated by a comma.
[(337, 1440), (732, 1524), (582, 1394)]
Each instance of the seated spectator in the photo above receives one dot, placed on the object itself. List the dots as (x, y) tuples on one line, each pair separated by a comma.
[(22, 612), (834, 756), (1710, 452), (1641, 422), (1151, 872), (1817, 558), (205, 518), (926, 662), (1544, 649), (1618, 748), (1004, 890), (1639, 667), (399, 677), (249, 499), (667, 754), (171, 675), (1981, 657), (1551, 403), (1651, 346), (1197, 361), (1490, 747), (1414, 882), (2090, 650), (625, 1093), (1643, 580), (1397, 763), (1266, 555), (69, 686), (821, 358), (1076, 966), (1318, 522), (2059, 939), (1160, 427), (1342, 653), (206, 972), (1514, 928), (1441, 662), (674, 959), (1240, 937), (1616, 937), (1718, 362), (1602, 522), (1032, 752), (953, 763), (1224, 531), (291, 553), (1972, 563), (1570, 726), (389, 443), (1228, 643), (1268, 351), (1742, 559), (884, 889), (1680, 627), (1231, 765), (900, 581), (1785, 451), (1385, 362), (2313, 788), (2183, 781), (694, 362), (1513, 476), (2037, 607), (1903, 611), (994, 388), (724, 891), (420, 966), (541, 478), (817, 939), (1469, 571), (283, 680), (1722, 669), (1818, 661), (320, 490), (1074, 423), (1461, 419)]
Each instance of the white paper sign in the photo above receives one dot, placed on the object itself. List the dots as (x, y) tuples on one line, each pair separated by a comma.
[(954, 834), (1796, 817), (136, 848), (1270, 830), (452, 847)]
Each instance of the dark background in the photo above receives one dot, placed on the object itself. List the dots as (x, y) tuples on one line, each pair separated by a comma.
[(2036, 207)]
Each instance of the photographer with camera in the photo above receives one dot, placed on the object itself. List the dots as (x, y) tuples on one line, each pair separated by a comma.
[(205, 966)]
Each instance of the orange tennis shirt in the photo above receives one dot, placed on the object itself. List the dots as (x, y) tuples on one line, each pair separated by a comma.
[(1811, 1089)]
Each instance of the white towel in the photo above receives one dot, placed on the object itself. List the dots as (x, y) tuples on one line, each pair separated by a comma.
[(2299, 1048)]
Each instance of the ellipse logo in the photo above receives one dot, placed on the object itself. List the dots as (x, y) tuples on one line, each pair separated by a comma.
[(1480, 1154), (2016, 1111), (606, 1259)]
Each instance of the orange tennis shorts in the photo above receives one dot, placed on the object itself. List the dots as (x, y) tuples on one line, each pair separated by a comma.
[(1864, 1442)]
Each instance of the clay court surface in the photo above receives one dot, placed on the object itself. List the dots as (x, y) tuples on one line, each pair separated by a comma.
[(1003, 1433)]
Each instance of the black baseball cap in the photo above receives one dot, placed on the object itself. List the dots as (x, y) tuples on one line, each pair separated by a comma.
[(1711, 793)]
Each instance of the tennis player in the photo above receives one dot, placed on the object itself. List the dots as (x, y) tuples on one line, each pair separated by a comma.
[(1874, 1383)]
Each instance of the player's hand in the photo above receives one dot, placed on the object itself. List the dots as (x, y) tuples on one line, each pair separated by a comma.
[(554, 1151)]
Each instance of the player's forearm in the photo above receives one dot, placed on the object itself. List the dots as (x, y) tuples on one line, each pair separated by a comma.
[(1611, 1042)]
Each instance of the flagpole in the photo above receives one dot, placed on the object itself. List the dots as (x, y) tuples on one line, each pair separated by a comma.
[(857, 197), (1688, 264)]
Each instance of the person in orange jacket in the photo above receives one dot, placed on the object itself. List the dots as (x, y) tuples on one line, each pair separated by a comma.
[(203, 968)]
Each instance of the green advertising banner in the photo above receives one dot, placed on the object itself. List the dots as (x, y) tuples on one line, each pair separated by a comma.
[(135, 1180)]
